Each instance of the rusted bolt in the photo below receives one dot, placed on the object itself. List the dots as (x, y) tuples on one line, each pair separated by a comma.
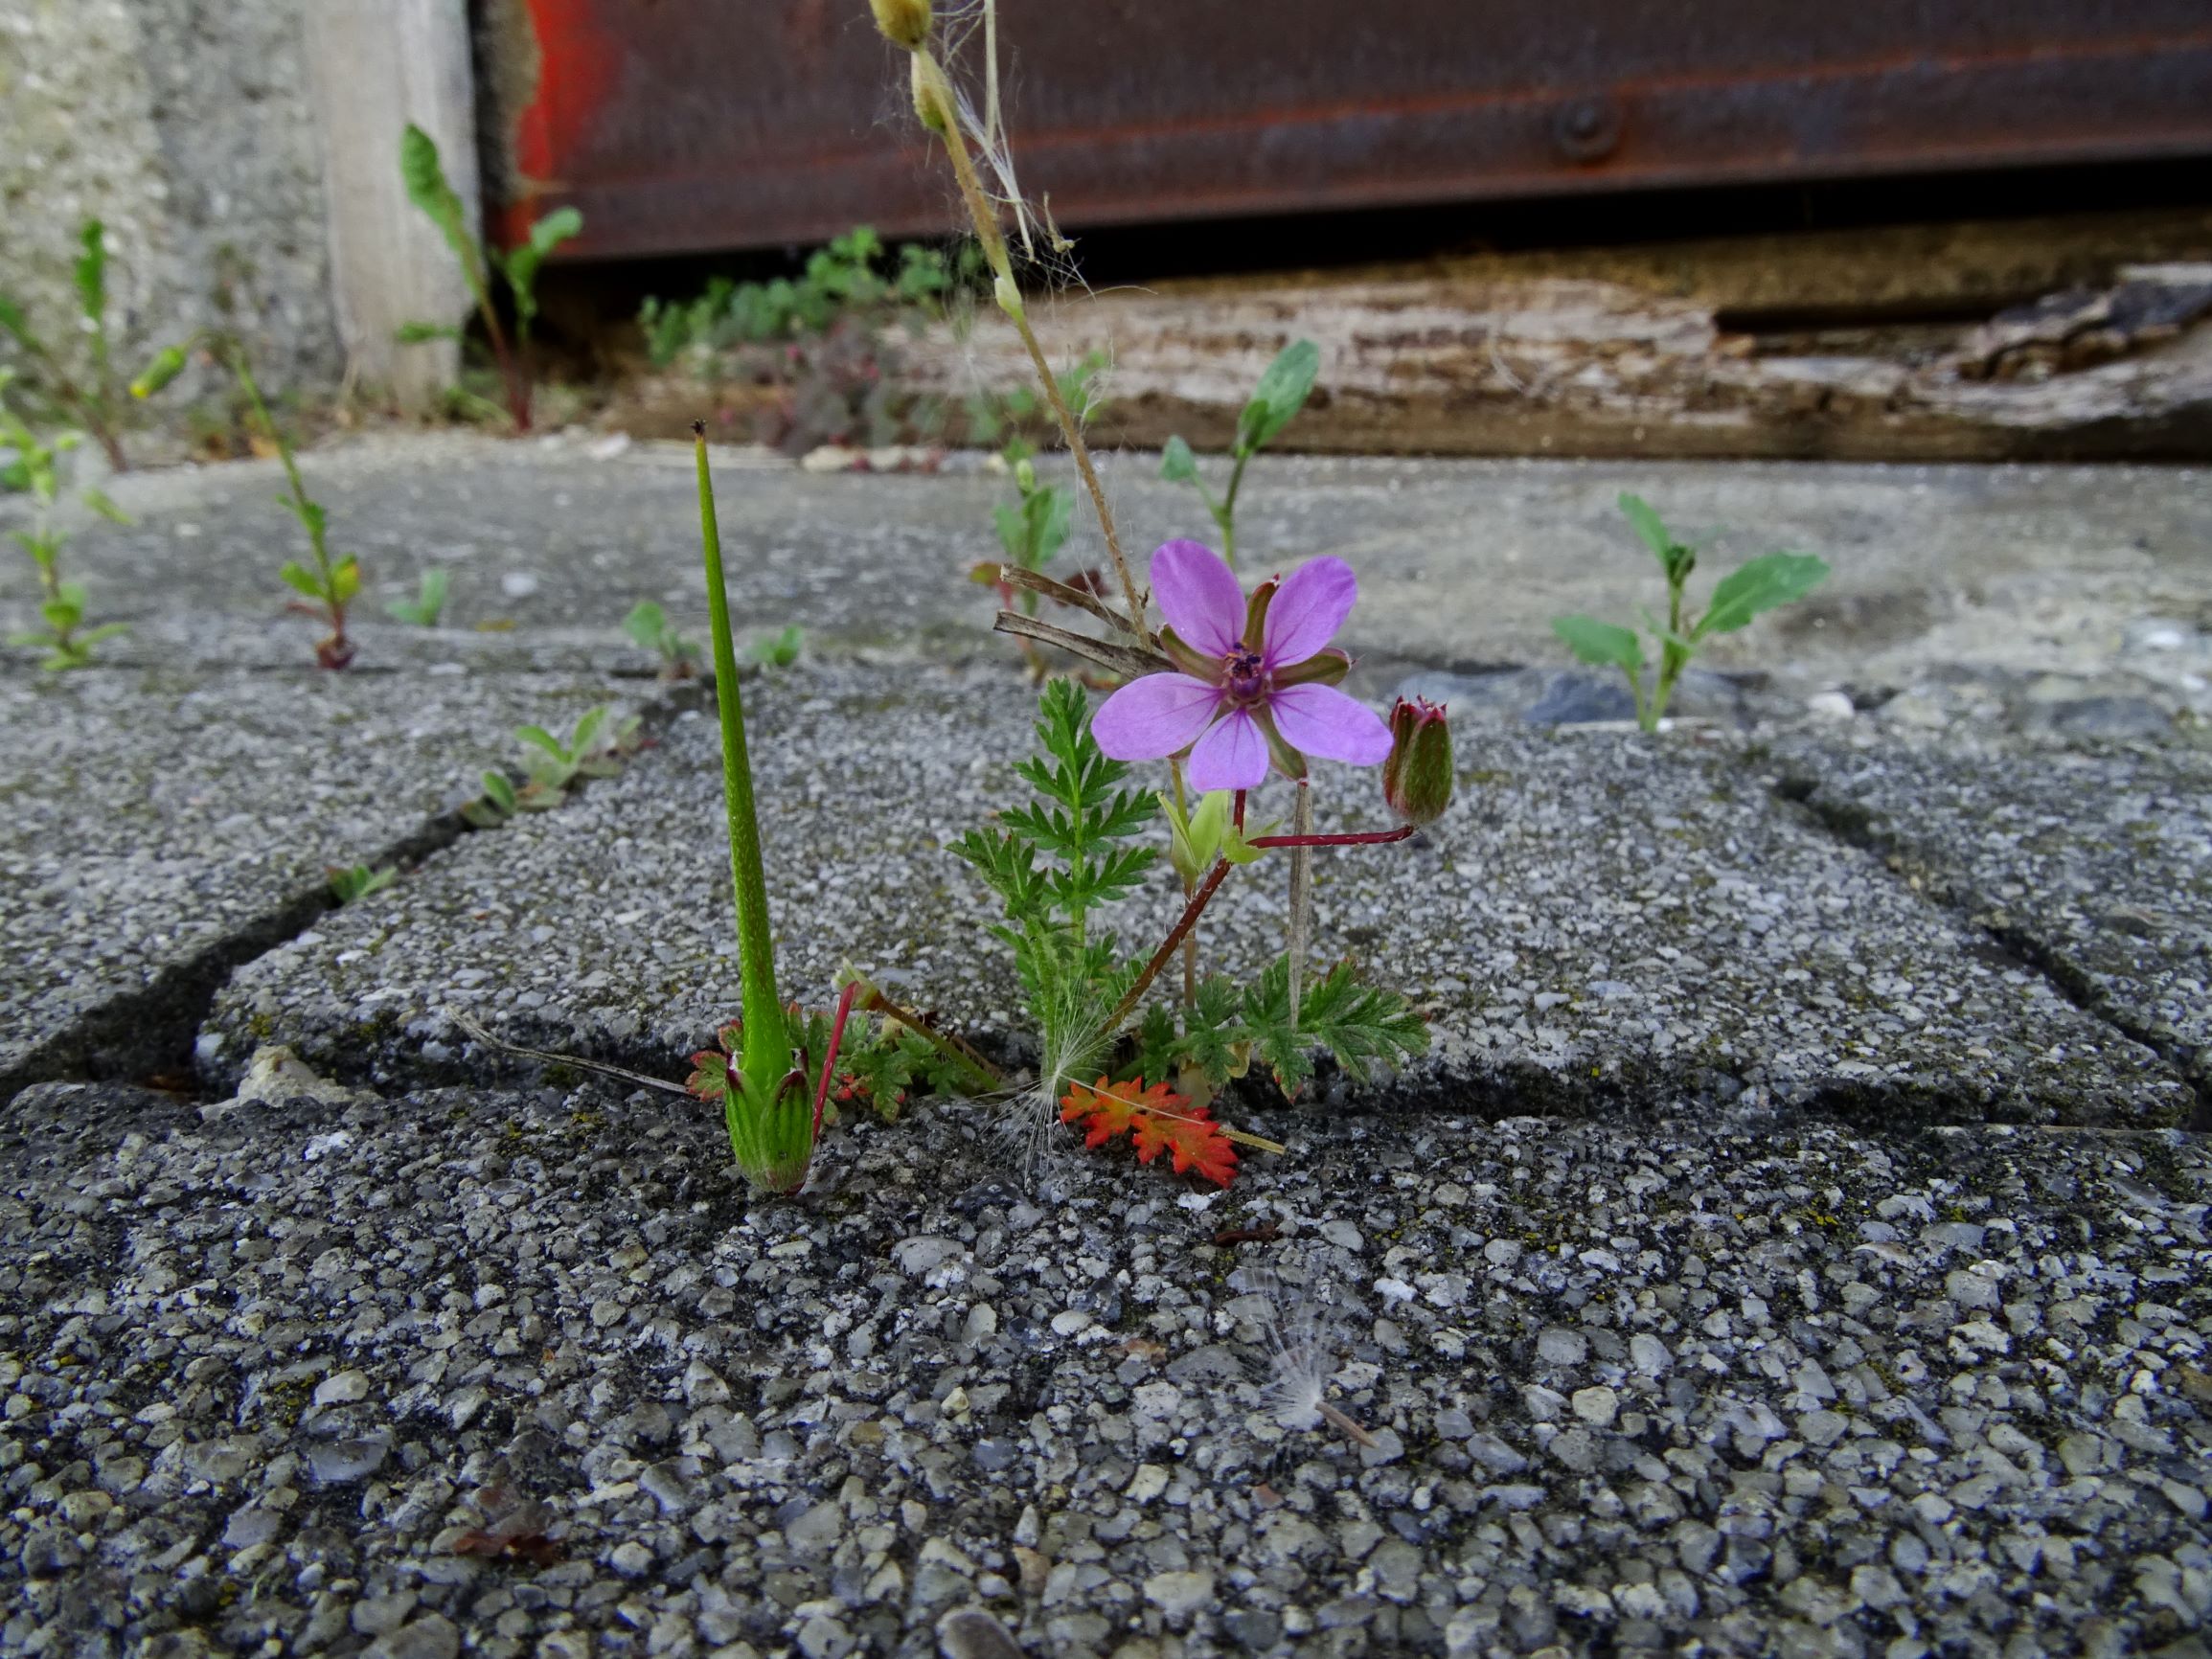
[(1588, 129)]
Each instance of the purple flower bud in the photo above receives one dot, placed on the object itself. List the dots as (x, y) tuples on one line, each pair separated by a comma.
[(1417, 778)]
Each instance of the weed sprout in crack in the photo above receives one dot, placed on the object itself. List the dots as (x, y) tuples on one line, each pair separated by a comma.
[(1774, 579), (1235, 687), (331, 585)]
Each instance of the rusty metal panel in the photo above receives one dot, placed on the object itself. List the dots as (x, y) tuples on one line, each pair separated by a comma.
[(692, 124)]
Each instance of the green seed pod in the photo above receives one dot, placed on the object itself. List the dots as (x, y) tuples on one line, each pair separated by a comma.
[(905, 23), (159, 373), (933, 104)]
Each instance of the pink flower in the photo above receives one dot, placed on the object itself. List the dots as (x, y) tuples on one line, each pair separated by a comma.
[(1257, 682)]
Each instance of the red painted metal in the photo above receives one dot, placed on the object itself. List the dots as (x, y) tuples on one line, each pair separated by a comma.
[(692, 124)]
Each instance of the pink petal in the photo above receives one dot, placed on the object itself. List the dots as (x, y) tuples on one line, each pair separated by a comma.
[(1153, 716), (1316, 720), (1200, 596), (1309, 608), (1232, 756)]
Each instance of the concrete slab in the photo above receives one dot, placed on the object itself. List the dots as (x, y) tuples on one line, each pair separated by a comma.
[(1602, 920), (162, 826), (2095, 866), (478, 1371), (2011, 570)]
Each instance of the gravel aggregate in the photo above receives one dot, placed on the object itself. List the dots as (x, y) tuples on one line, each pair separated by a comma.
[(1601, 914), (528, 1374)]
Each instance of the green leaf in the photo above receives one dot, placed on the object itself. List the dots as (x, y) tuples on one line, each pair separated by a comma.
[(426, 606), (100, 502), (1009, 865), (1647, 524), (585, 739), (1013, 523), (415, 333), (522, 264), (425, 178), (1282, 392), (538, 738), (1213, 1031), (15, 322), (500, 790), (1606, 645), (345, 579), (1274, 1037), (1360, 1023), (104, 631), (647, 624), (358, 882), (1177, 464), (1773, 580), (310, 514), (301, 579), (92, 273), (778, 649), (1052, 510)]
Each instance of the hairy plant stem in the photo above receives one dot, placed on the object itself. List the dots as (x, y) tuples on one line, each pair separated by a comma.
[(1193, 909), (1347, 838), (1301, 890), (96, 414), (1169, 946), (1190, 888), (830, 1059), (757, 1136), (1228, 519), (336, 650), (1672, 660), (985, 215)]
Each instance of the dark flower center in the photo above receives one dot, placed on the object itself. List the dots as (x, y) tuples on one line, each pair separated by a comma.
[(1245, 676)]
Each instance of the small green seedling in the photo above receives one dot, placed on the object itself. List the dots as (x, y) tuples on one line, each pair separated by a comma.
[(359, 882), (498, 803), (428, 604), (777, 651), (64, 639), (1282, 392), (594, 749), (649, 624), (92, 402), (1771, 579), (1034, 527), (331, 585), (425, 176), (997, 417)]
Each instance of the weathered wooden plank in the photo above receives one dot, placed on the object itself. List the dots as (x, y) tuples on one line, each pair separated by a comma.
[(377, 65)]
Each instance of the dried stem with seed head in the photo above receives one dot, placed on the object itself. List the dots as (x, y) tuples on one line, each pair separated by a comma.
[(937, 110)]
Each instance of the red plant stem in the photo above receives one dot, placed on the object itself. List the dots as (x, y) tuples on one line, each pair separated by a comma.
[(1366, 838), (1167, 950), (830, 1060)]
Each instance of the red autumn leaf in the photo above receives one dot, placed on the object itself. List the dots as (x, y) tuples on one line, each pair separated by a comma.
[(1156, 1120)]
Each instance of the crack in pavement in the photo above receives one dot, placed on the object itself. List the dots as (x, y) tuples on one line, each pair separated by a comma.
[(1856, 827)]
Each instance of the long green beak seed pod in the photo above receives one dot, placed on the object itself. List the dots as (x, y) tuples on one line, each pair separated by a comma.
[(771, 1117)]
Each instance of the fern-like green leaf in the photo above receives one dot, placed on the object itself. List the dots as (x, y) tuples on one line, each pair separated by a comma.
[(1360, 1023)]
